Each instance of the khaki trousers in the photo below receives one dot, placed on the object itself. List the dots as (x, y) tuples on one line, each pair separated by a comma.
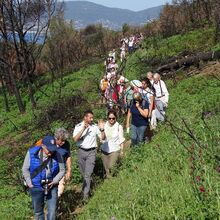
[(109, 160)]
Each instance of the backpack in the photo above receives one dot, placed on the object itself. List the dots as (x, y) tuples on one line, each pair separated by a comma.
[(104, 85)]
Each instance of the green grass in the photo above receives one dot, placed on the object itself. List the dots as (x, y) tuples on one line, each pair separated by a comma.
[(155, 181), (15, 140), (192, 42)]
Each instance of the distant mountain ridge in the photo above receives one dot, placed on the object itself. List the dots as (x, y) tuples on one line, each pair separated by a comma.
[(84, 13)]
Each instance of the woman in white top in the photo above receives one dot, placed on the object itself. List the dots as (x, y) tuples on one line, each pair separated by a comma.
[(112, 147), (148, 93)]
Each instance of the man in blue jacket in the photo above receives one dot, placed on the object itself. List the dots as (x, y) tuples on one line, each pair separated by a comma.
[(43, 168)]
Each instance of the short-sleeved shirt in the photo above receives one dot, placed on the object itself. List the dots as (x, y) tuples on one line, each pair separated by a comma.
[(137, 119), (89, 136)]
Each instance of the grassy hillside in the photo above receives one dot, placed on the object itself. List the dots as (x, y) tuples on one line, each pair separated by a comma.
[(20, 131), (155, 179), (156, 51), (176, 175), (164, 179)]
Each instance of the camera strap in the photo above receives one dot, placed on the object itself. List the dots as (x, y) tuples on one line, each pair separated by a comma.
[(41, 167)]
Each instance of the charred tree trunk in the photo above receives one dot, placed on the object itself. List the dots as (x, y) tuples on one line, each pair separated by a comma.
[(31, 92), (191, 60), (17, 94), (4, 92), (217, 23)]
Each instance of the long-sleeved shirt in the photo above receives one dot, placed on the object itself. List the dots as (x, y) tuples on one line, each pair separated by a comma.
[(161, 91), (27, 175)]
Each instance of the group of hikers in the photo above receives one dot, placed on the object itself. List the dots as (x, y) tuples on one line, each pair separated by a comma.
[(47, 165), (112, 84)]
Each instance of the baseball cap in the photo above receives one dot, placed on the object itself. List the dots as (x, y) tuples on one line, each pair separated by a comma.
[(49, 142)]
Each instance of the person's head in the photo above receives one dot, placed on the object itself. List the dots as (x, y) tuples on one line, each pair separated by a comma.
[(156, 77), (150, 75), (146, 83), (112, 117), (48, 145), (105, 77), (88, 117), (137, 96), (61, 135)]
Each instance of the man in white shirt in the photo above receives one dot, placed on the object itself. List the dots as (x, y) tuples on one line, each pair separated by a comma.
[(162, 97), (85, 135)]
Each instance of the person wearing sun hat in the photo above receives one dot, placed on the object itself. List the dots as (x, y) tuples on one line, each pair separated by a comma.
[(42, 169)]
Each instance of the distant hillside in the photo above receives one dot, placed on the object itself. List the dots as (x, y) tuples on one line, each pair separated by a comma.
[(84, 13)]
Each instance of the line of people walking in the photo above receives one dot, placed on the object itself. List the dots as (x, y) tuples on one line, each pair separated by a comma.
[(47, 165)]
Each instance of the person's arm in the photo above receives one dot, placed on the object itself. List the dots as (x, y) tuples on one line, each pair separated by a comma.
[(121, 139), (68, 168), (101, 131), (59, 176), (122, 149), (78, 135), (165, 92), (26, 171), (128, 120), (143, 112)]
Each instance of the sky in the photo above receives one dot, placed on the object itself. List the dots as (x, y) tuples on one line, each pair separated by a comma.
[(134, 5)]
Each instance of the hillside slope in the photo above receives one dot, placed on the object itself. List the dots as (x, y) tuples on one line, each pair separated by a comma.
[(154, 180), (166, 179)]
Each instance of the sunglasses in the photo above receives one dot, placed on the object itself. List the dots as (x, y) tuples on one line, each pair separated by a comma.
[(111, 118)]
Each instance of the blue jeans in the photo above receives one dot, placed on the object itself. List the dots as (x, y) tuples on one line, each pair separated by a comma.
[(137, 134), (37, 195)]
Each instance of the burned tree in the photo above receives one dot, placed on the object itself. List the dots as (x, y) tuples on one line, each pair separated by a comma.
[(23, 28)]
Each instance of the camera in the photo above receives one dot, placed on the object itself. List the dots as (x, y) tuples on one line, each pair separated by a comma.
[(44, 184)]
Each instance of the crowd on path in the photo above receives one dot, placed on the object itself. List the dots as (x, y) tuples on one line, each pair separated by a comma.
[(47, 165)]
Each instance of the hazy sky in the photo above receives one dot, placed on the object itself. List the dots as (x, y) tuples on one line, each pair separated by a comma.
[(134, 5)]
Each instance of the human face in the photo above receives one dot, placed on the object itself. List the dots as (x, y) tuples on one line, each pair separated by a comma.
[(144, 84), (46, 151), (156, 79), (150, 76), (60, 142), (111, 119), (88, 118)]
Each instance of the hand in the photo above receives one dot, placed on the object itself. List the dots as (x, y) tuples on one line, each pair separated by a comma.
[(166, 104), (101, 124), (50, 185), (86, 125), (121, 153), (128, 129), (137, 104), (68, 175), (30, 186)]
